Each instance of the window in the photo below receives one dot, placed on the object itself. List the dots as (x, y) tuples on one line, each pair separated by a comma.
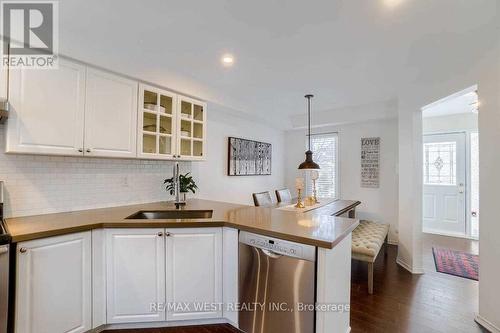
[(324, 148), (440, 163)]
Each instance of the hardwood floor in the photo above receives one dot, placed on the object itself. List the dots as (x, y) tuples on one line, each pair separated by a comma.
[(220, 328), (402, 302)]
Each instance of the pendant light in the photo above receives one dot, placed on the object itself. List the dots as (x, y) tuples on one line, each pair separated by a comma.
[(309, 164)]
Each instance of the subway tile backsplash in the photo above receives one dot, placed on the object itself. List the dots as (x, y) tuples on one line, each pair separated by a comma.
[(50, 184)]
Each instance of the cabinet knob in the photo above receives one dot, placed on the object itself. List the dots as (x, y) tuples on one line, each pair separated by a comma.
[(160, 234), (167, 234), (80, 150), (23, 250), (88, 150)]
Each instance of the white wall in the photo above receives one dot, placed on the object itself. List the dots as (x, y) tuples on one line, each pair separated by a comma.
[(377, 204), (211, 174), (489, 183), (451, 123), (479, 66)]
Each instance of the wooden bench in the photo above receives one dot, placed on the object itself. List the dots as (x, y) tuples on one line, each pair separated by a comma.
[(367, 240)]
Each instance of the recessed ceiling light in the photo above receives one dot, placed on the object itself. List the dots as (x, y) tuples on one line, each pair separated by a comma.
[(227, 60), (392, 3)]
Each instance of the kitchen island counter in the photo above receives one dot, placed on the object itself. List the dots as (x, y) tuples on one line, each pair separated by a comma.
[(320, 227)]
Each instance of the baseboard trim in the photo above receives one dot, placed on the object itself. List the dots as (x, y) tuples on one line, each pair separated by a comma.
[(392, 242), (160, 324), (410, 269), (486, 324)]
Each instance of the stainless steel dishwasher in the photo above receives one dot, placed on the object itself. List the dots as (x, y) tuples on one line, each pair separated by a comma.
[(276, 283)]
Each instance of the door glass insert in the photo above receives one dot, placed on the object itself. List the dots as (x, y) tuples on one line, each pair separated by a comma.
[(185, 129), (440, 163), (150, 101), (149, 143), (185, 147), (165, 145), (197, 148), (198, 131), (198, 112), (165, 125), (165, 104), (186, 110), (149, 122)]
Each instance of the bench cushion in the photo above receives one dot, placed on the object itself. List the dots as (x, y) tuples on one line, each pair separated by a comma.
[(367, 239)]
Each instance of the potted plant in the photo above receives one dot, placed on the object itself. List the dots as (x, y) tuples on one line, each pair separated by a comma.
[(186, 184)]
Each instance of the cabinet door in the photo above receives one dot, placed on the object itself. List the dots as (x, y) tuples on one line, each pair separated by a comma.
[(191, 128), (156, 131), (53, 290), (110, 115), (194, 273), (135, 277), (47, 110)]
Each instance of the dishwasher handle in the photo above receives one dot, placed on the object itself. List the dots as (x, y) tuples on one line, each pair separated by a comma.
[(271, 254)]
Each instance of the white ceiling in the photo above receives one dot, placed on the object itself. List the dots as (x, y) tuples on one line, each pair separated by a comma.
[(462, 103), (351, 52)]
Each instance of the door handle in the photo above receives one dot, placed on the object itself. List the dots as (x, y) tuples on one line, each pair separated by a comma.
[(461, 188), (271, 254)]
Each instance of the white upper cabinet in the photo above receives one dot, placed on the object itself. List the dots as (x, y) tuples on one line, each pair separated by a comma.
[(53, 285), (170, 126), (194, 272), (135, 261), (82, 111), (156, 130), (110, 115), (191, 125), (47, 110)]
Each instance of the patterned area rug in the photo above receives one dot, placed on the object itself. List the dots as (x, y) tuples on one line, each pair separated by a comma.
[(456, 263)]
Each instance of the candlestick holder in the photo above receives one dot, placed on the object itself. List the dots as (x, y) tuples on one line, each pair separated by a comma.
[(315, 197), (299, 204)]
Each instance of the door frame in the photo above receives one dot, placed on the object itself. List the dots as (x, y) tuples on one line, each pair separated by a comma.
[(468, 182)]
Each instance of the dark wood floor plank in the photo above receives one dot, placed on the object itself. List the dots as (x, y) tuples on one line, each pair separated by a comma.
[(402, 302)]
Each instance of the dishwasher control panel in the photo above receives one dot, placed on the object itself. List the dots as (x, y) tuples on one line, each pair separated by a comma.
[(279, 246)]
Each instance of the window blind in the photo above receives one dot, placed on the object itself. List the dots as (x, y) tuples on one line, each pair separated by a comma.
[(324, 148)]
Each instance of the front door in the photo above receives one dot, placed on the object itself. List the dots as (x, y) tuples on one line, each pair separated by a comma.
[(444, 184)]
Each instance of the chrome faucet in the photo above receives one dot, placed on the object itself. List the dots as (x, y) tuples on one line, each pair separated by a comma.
[(177, 186)]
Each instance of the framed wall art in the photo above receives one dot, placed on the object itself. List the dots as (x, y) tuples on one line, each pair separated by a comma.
[(248, 157)]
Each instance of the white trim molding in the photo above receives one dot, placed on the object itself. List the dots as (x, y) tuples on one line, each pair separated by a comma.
[(408, 267), (392, 242), (486, 324)]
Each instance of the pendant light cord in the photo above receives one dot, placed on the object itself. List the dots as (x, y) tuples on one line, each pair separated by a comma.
[(309, 119)]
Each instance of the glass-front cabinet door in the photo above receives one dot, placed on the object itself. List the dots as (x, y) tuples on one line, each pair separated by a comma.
[(156, 123), (191, 125)]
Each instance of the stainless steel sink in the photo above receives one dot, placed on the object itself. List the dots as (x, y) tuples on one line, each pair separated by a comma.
[(171, 214)]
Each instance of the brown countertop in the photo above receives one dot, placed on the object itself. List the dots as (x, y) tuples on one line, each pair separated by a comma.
[(316, 227)]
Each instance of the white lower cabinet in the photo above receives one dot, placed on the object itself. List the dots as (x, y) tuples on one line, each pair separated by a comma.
[(194, 273), (139, 274), (53, 285), (135, 275), (163, 274)]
